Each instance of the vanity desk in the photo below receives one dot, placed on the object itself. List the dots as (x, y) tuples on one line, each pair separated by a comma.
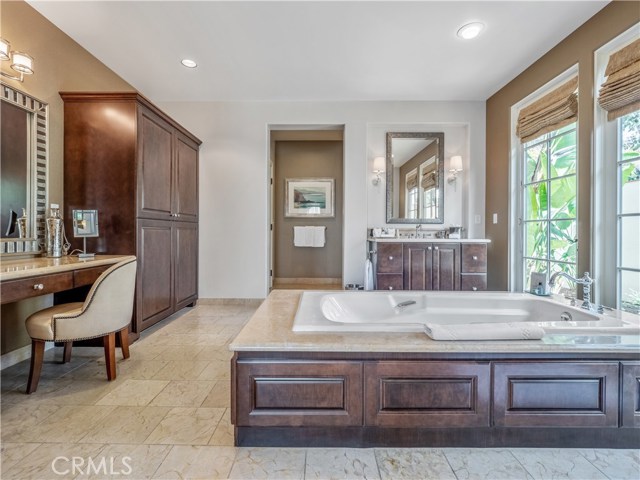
[(30, 277)]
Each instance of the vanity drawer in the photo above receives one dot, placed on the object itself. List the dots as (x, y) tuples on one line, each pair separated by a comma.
[(87, 276), (14, 290), (298, 393), (389, 258), (473, 282), (474, 258), (389, 282)]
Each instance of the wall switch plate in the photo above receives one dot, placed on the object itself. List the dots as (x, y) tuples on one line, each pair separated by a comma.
[(495, 218), (478, 219)]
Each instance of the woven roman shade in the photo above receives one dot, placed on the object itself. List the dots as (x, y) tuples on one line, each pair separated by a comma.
[(412, 179), (429, 179), (620, 93), (553, 111)]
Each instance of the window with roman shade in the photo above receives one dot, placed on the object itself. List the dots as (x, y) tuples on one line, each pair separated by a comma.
[(412, 179), (429, 177), (555, 110), (620, 93)]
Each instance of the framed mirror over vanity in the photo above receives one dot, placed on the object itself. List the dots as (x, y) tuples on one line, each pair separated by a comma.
[(24, 152), (415, 177)]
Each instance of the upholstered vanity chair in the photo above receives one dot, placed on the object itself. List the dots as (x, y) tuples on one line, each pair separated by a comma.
[(106, 311)]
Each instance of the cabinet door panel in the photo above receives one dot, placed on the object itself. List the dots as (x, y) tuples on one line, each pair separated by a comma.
[(473, 282), (186, 263), (418, 266), (155, 280), (427, 394), (630, 394), (556, 394), (186, 188), (388, 281), (474, 258), (389, 258), (446, 266), (155, 142)]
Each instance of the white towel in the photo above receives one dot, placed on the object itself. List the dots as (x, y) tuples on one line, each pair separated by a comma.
[(484, 331), (318, 236), (309, 236), (368, 275)]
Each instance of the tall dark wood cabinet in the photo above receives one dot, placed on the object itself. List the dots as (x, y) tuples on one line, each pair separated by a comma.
[(139, 168)]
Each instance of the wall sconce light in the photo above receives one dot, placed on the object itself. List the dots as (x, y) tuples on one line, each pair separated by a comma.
[(379, 164), (455, 167), (20, 62)]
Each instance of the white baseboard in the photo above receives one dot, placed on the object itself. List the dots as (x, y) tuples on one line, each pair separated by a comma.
[(16, 356)]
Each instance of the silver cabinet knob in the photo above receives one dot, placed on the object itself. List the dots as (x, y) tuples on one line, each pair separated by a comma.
[(435, 248), (38, 286), (474, 288), (428, 248), (390, 257), (390, 287), (475, 257)]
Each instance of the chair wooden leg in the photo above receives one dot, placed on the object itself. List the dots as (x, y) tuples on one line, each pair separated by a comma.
[(110, 355), (37, 355), (66, 357), (123, 336)]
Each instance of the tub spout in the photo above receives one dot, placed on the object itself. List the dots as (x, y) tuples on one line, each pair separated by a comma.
[(405, 304)]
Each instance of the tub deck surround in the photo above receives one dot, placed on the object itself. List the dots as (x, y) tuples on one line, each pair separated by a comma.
[(366, 389)]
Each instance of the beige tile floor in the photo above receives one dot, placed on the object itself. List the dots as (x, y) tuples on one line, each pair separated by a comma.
[(167, 416)]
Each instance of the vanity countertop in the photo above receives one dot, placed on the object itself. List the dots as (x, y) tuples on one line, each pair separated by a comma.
[(270, 329), (428, 240), (32, 267)]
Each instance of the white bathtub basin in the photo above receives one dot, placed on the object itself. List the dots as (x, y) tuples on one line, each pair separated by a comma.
[(380, 312)]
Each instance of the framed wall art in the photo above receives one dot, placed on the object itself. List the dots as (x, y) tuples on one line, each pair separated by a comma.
[(309, 197)]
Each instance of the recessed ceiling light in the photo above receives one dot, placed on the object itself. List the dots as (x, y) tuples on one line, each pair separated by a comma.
[(470, 30), (189, 63)]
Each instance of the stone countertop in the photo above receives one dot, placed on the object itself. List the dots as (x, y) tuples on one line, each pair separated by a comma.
[(428, 240), (33, 267), (270, 329)]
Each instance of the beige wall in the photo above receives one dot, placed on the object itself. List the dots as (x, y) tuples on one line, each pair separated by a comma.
[(60, 64), (303, 159), (577, 48)]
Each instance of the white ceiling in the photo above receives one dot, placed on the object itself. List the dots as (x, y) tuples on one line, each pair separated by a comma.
[(328, 50)]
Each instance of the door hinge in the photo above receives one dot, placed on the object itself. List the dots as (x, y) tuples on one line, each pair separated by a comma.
[(271, 180), (271, 227), (271, 273)]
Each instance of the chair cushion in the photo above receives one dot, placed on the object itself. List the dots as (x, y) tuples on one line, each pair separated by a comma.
[(40, 324)]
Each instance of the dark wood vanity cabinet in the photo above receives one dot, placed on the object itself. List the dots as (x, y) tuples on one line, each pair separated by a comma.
[(630, 404), (431, 266), (139, 168)]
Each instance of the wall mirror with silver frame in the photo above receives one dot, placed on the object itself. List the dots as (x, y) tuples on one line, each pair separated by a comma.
[(415, 177), (24, 154)]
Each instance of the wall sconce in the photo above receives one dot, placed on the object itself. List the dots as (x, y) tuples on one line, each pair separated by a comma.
[(455, 167), (379, 164), (20, 62)]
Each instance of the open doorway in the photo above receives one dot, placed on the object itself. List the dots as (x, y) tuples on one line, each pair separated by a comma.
[(306, 198)]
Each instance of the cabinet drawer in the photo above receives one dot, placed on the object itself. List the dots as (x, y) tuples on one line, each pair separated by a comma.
[(556, 394), (14, 290), (389, 282), (630, 403), (474, 258), (473, 282), (389, 258), (298, 393), (427, 394), (88, 276)]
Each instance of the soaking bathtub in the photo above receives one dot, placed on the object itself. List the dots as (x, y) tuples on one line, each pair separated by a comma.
[(412, 311)]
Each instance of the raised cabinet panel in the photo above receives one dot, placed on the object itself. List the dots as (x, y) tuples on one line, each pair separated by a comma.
[(630, 394), (389, 258), (298, 393), (446, 266), (418, 266), (473, 282), (15, 290), (186, 188), (427, 394), (154, 280), (474, 258), (388, 281), (556, 394), (186, 263), (155, 147)]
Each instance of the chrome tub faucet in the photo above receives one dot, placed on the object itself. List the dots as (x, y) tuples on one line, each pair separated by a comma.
[(586, 281)]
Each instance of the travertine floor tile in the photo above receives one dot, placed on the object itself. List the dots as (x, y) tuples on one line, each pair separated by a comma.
[(196, 462), (16, 419), (186, 426), (615, 464), (213, 353), (179, 353), (486, 464), (341, 463), (223, 434), (184, 394), (220, 395), (137, 462), (140, 369), (53, 461), (135, 393), (12, 453), (413, 463), (181, 370), (126, 425), (268, 463), (216, 371), (544, 463)]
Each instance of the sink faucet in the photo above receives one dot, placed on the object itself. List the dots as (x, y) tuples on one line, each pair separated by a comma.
[(585, 281), (418, 228)]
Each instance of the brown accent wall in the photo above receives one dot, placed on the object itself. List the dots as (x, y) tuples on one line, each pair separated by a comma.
[(59, 64), (577, 48), (304, 159)]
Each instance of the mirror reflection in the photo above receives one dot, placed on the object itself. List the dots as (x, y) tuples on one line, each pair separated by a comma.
[(415, 173)]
